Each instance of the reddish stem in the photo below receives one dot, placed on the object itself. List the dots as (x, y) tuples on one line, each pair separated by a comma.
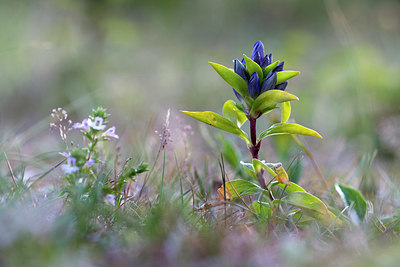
[(255, 148)]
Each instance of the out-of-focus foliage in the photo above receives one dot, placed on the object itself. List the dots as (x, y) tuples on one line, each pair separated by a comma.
[(142, 56)]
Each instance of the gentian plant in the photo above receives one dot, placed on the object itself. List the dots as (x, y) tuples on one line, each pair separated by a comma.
[(259, 84)]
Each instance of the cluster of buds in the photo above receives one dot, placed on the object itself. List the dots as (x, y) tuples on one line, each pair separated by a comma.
[(259, 82), (61, 123), (165, 135)]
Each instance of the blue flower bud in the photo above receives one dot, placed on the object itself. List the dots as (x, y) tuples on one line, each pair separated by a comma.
[(281, 86), (269, 82), (239, 68), (279, 67), (258, 52), (269, 58), (238, 96), (254, 85), (257, 58), (266, 61)]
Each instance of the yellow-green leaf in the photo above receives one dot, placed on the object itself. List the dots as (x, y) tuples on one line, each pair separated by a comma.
[(289, 189), (286, 109), (314, 207), (217, 121), (231, 112), (307, 201), (231, 78), (239, 188), (270, 98), (288, 128), (253, 67), (270, 67), (282, 76)]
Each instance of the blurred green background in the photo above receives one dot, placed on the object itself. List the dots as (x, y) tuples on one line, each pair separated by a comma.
[(139, 58)]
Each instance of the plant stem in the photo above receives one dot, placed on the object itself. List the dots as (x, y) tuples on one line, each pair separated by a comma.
[(255, 148), (253, 131)]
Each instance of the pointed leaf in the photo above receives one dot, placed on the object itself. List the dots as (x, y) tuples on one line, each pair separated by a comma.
[(289, 189), (307, 201), (231, 78), (282, 76), (270, 67), (234, 114), (286, 109), (288, 128), (270, 98), (351, 195), (253, 67), (213, 119)]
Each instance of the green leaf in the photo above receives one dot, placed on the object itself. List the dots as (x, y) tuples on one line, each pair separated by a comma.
[(268, 99), (307, 201), (286, 109), (351, 195), (314, 207), (213, 119), (250, 169), (282, 76), (248, 166), (231, 78), (289, 189), (270, 67), (258, 165), (231, 112), (253, 67), (263, 209), (288, 128), (240, 188), (301, 219)]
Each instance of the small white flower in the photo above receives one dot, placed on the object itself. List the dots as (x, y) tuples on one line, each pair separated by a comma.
[(65, 154), (110, 133), (70, 167), (86, 123), (98, 124)]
